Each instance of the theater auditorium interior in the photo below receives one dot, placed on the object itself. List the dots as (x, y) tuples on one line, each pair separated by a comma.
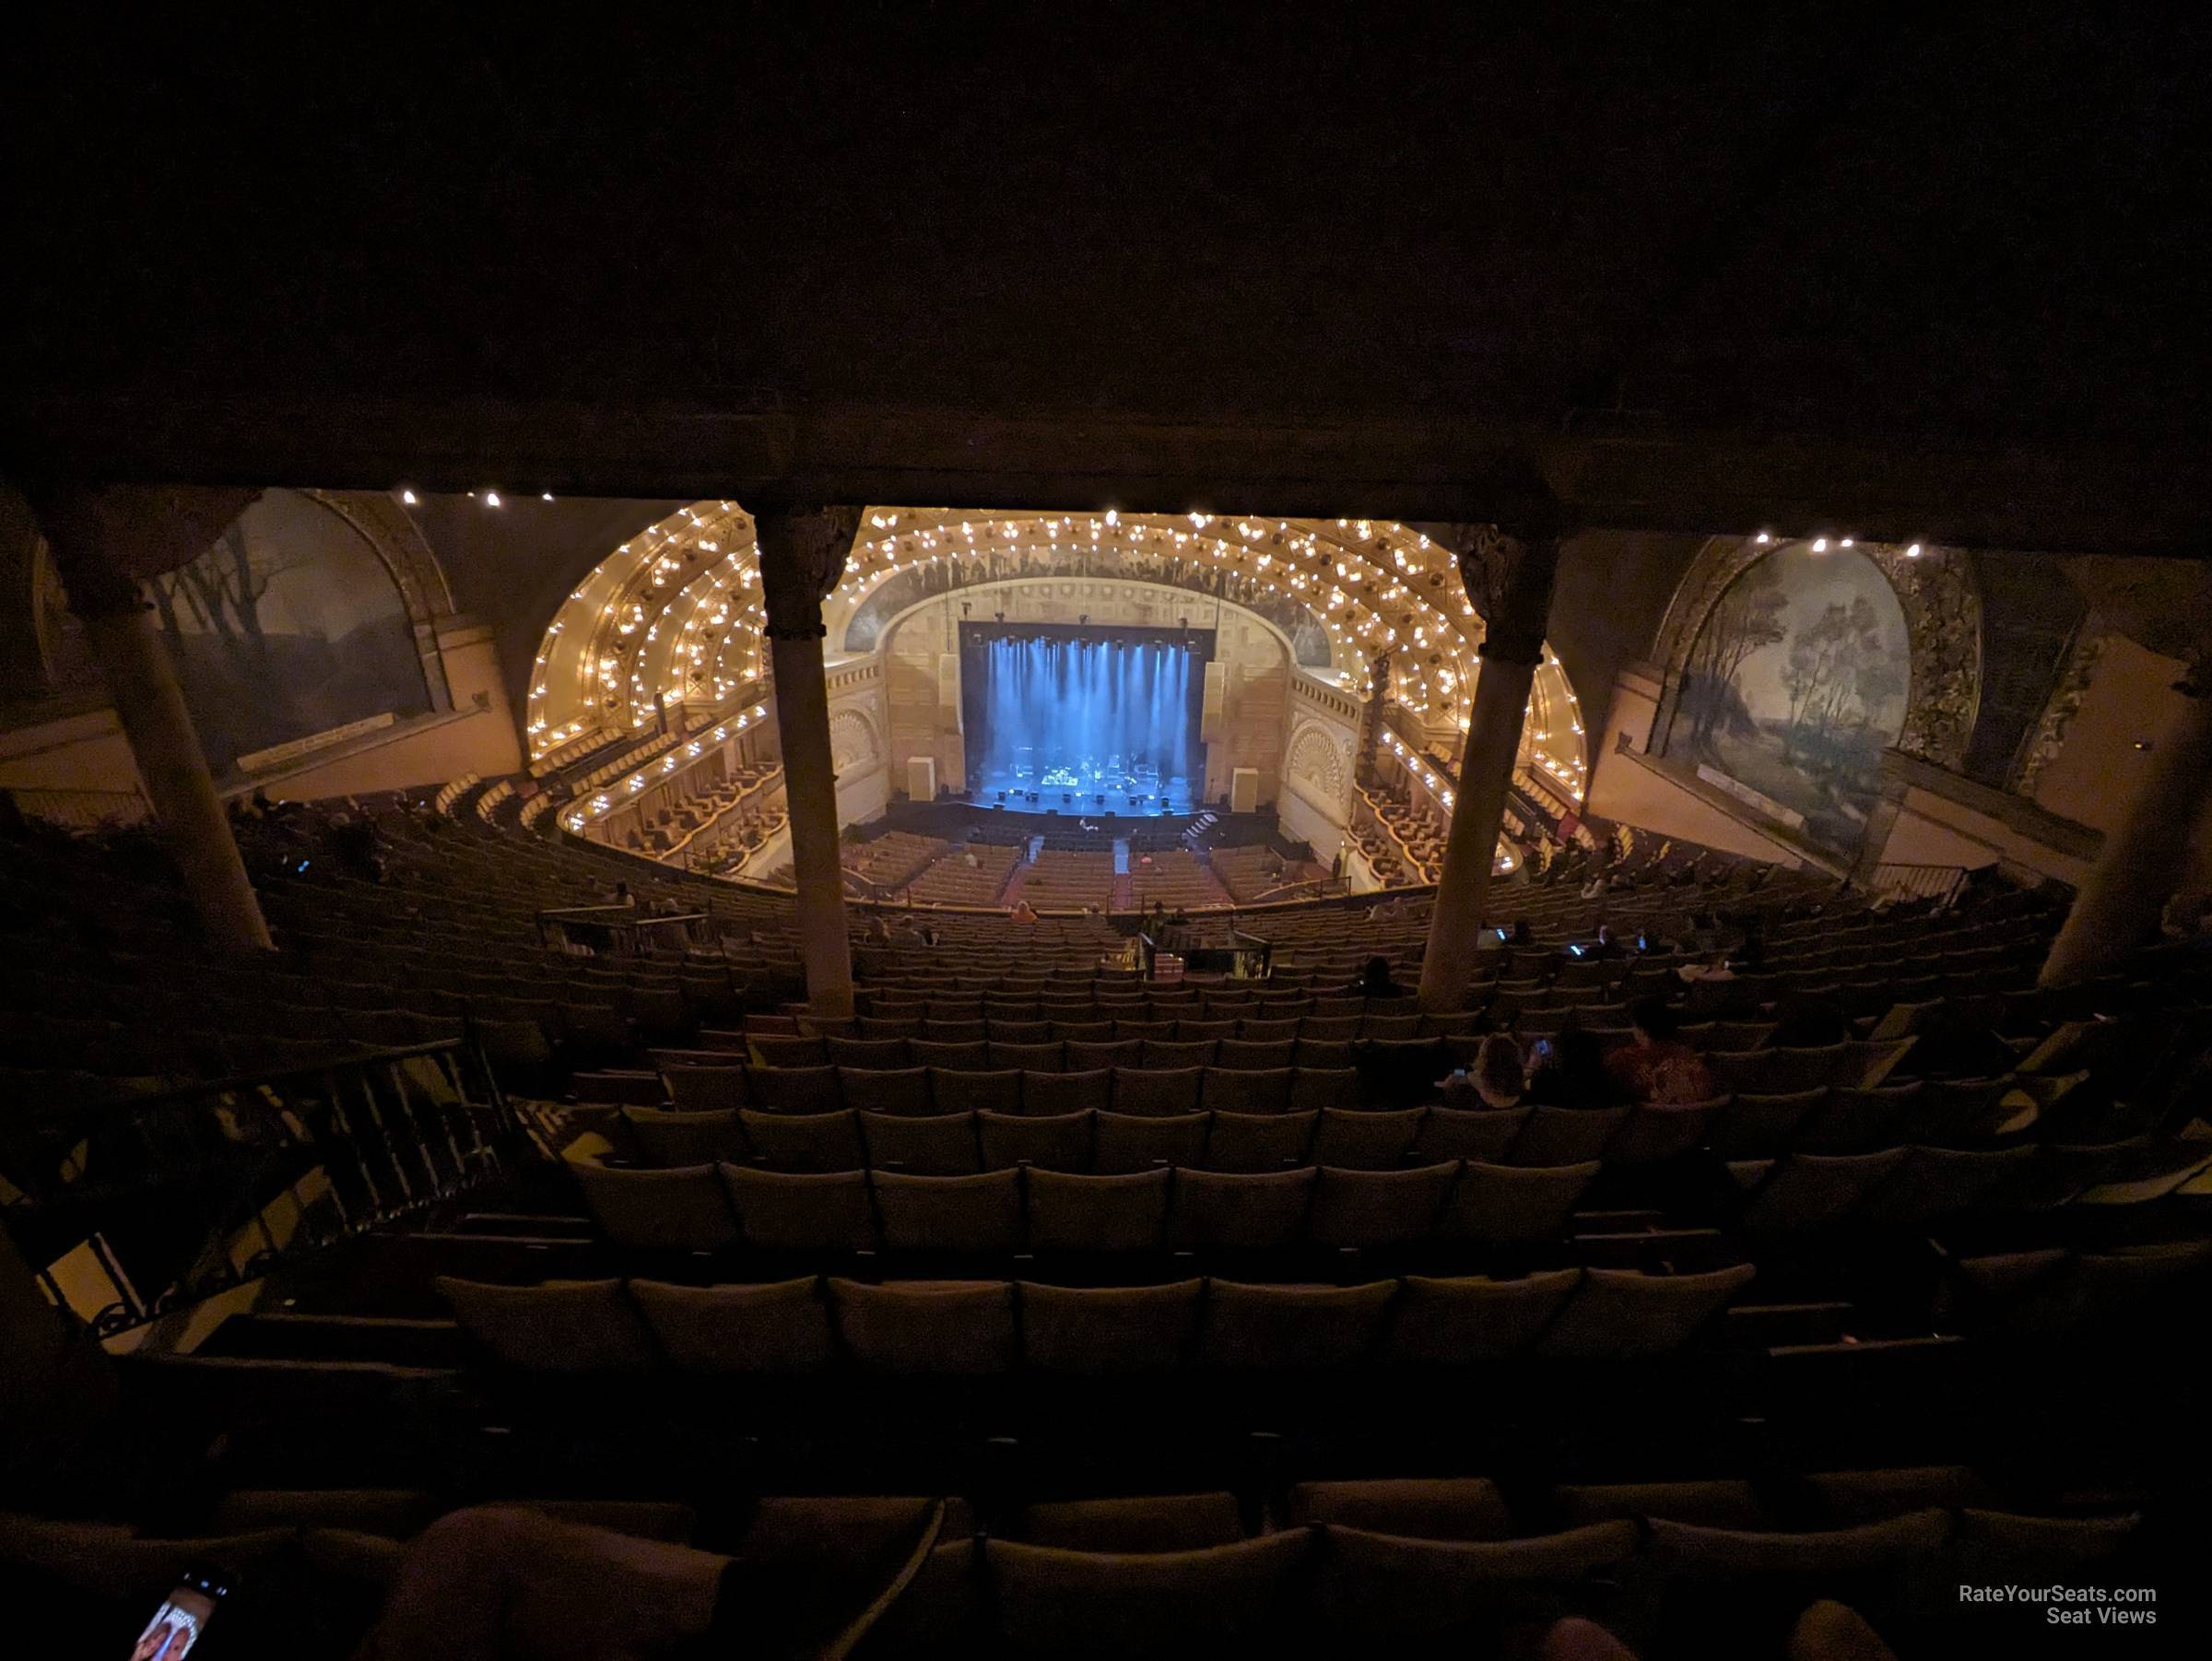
[(1014, 833)]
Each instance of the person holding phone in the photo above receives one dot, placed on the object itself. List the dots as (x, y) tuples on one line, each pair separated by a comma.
[(1498, 1080)]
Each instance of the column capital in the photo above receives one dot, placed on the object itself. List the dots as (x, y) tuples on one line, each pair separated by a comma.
[(107, 539), (802, 553), (1507, 571)]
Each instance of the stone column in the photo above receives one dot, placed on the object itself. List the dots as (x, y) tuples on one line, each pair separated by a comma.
[(1371, 718), (802, 558), (105, 543), (1508, 575), (2121, 902)]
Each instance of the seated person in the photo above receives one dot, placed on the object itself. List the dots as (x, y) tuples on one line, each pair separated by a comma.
[(1658, 1068), (1568, 1070), (1375, 981), (1497, 1078)]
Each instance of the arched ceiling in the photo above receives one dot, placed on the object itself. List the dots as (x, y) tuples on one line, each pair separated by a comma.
[(674, 613)]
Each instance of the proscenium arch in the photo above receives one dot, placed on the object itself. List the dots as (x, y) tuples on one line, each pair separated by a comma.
[(1936, 592), (674, 613)]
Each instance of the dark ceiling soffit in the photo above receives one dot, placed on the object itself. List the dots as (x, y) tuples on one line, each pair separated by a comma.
[(2134, 501)]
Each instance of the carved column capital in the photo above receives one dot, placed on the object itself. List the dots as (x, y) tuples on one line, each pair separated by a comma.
[(1508, 575), (107, 539), (802, 553)]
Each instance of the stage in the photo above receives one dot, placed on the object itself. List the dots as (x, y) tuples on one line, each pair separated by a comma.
[(1081, 722), (1074, 788)]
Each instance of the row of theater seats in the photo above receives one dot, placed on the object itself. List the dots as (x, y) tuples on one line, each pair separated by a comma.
[(1455, 1565), (1252, 1198), (1070, 1121), (984, 1327), (953, 881), (979, 1328)]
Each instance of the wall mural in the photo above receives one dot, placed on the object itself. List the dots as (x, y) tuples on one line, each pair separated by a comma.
[(290, 625), (1796, 682)]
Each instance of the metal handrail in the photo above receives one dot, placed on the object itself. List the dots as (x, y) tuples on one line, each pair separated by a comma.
[(178, 1195)]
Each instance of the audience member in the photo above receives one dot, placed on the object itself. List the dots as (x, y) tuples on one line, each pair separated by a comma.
[(1568, 1070), (1658, 1068), (1497, 1078), (1376, 979)]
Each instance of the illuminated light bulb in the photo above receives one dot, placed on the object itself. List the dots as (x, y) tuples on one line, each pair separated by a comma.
[(407, 497), (548, 496), (491, 499), (1763, 539), (1819, 544), (1913, 552)]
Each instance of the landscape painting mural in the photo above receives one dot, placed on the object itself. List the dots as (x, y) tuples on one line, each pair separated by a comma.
[(1796, 682), (287, 626)]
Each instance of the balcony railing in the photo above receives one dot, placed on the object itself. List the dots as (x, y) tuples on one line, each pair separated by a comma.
[(133, 1209)]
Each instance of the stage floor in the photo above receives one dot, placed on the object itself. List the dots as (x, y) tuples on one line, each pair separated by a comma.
[(1122, 798)]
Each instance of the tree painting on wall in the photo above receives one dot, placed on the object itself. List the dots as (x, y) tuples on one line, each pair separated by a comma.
[(287, 626), (1795, 683)]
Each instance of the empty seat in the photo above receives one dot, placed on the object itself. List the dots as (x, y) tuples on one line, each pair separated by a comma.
[(1291, 1327), (560, 1327), (874, 1053), (1035, 1057), (967, 1055), (1138, 1090), (1655, 1132), (1250, 1093), (802, 1211), (1090, 1090), (666, 1137), (963, 1328), (1617, 1314), (894, 1091), (1721, 1502), (1755, 1126), (1566, 1135), (776, 1328), (1857, 1121), (1312, 1088), (1092, 1055), (1464, 1320), (1360, 1140), (797, 1089), (1326, 1052), (1162, 1056), (1512, 1204), (1258, 1141), (804, 1141), (997, 1091), (1234, 1599), (1937, 1183), (1240, 1211), (938, 1145), (1051, 1142), (679, 1209), (1137, 1142), (774, 1050), (693, 1088), (1805, 1191), (1459, 1133), (1248, 1054), (1428, 1508), (1386, 1594), (1072, 1213), (1376, 1209), (1109, 1329), (979, 1213), (1146, 1523)]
